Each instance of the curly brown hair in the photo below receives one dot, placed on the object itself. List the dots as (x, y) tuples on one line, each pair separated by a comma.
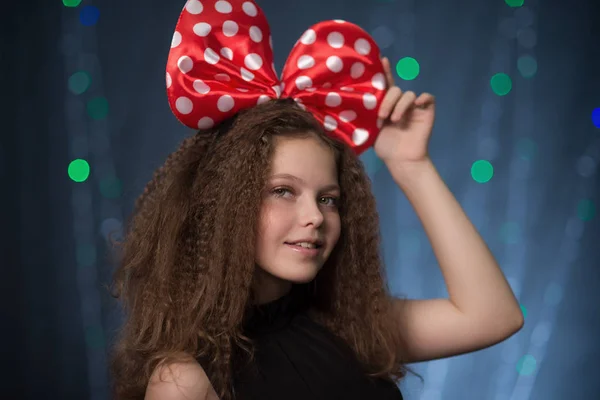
[(187, 262)]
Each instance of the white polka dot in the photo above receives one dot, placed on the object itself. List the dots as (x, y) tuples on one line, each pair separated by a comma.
[(256, 34), (339, 21), (202, 29), (250, 9), (185, 64), (347, 89), (169, 80), (334, 63), (359, 136), (303, 82), (305, 62), (263, 99), (299, 103), (379, 123), (176, 41), (184, 105), (225, 103), (362, 47), (243, 90), (282, 85), (211, 56), (357, 70), (222, 77), (326, 85), (246, 75), (201, 87), (230, 28), (335, 40), (311, 89), (227, 53), (330, 123), (333, 99), (347, 116), (205, 123), (308, 37), (378, 81), (194, 7), (223, 7), (277, 90), (369, 101), (253, 61)]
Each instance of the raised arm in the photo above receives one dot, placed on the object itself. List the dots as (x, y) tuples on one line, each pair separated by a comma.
[(481, 309)]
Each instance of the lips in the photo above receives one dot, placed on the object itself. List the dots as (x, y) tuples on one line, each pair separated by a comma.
[(306, 252), (317, 245)]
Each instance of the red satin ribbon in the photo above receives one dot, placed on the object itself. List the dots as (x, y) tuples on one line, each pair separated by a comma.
[(221, 62)]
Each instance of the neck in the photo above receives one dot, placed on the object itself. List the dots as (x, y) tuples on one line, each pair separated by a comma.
[(269, 288)]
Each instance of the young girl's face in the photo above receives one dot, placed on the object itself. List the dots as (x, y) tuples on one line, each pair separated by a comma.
[(300, 203)]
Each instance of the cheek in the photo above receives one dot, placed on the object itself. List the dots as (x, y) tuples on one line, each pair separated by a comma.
[(275, 222)]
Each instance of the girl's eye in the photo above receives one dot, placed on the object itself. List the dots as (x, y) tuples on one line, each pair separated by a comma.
[(328, 201), (333, 201), (280, 192)]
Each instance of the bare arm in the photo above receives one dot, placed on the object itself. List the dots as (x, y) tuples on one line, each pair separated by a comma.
[(180, 381), (481, 309)]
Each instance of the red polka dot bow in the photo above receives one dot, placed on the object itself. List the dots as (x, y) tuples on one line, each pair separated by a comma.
[(221, 62)]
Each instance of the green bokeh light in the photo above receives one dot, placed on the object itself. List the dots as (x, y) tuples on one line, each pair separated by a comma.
[(71, 3), (79, 170), (408, 68), (526, 365), (97, 108), (586, 210), (111, 187), (482, 171), (79, 82), (515, 3), (524, 311), (501, 84), (527, 66)]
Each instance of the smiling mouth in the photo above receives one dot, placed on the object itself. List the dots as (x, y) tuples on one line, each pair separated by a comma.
[(316, 246), (305, 251)]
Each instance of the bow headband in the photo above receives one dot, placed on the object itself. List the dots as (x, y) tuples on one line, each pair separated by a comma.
[(221, 62)]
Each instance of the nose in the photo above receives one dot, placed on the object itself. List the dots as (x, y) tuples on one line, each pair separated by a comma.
[(310, 213)]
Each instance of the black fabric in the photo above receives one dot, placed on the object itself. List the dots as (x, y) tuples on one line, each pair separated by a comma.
[(297, 358)]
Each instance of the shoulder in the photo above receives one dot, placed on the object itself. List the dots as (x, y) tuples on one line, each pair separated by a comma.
[(184, 379)]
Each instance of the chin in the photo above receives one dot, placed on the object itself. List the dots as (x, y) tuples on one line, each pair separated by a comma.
[(297, 274)]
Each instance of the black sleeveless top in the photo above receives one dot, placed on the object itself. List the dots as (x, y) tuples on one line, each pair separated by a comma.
[(298, 359)]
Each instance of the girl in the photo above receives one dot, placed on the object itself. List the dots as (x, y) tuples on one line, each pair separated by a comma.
[(251, 267)]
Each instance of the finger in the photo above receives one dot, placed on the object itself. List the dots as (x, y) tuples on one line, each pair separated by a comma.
[(389, 101), (406, 101), (389, 76), (424, 100)]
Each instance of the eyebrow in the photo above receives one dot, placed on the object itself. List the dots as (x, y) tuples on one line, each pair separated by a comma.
[(333, 186)]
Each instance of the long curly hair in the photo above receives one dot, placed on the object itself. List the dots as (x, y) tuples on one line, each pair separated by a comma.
[(186, 265)]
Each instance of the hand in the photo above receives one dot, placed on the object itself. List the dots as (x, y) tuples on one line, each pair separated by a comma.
[(408, 121)]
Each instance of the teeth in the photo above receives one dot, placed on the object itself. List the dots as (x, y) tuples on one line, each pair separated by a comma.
[(306, 245)]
